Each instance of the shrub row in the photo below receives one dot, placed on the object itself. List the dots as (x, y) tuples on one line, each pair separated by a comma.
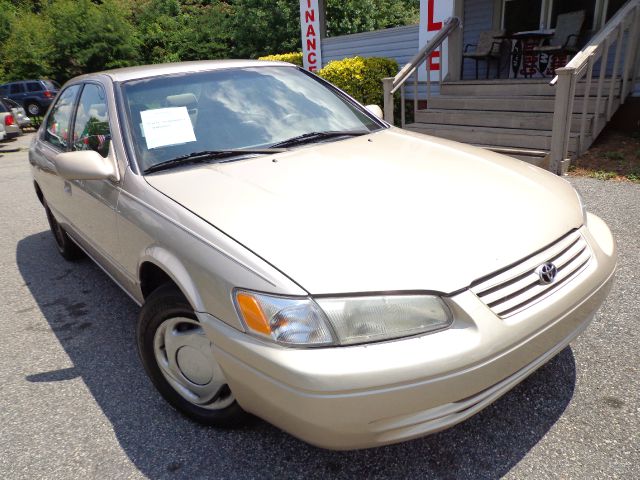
[(295, 58), (359, 77)]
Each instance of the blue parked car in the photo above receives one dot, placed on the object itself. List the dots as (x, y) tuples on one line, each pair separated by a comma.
[(34, 95)]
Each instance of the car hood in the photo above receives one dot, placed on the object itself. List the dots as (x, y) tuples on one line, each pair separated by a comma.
[(388, 211)]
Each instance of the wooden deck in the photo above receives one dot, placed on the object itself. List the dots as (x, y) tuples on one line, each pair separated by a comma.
[(512, 116)]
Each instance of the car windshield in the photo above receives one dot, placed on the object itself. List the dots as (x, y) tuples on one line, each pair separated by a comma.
[(177, 115)]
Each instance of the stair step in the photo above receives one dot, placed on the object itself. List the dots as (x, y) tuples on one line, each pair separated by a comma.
[(525, 120), (539, 158), (491, 136), (530, 152), (507, 103), (528, 87)]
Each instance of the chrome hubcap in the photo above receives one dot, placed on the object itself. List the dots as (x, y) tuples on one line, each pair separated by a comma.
[(33, 109), (184, 355)]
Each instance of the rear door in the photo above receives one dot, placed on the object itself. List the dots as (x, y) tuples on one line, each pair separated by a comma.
[(52, 140)]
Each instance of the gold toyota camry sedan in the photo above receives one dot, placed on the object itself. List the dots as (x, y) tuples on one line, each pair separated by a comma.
[(298, 258)]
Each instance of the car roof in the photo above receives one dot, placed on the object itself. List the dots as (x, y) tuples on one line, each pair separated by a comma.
[(144, 71), (25, 81)]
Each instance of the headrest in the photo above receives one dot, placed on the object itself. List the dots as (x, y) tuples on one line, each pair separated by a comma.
[(182, 100)]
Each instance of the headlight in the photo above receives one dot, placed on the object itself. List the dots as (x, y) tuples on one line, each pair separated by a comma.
[(340, 320)]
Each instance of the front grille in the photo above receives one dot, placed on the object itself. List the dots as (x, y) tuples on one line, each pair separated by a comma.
[(512, 290)]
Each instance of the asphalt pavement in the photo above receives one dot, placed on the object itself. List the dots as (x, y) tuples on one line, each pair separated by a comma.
[(75, 402)]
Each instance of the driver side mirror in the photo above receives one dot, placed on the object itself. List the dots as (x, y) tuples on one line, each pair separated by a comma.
[(376, 110), (85, 165)]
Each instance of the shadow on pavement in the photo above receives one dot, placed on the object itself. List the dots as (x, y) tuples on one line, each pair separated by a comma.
[(95, 323)]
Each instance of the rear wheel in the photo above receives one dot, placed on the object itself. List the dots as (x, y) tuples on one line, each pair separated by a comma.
[(178, 357), (33, 108), (67, 247)]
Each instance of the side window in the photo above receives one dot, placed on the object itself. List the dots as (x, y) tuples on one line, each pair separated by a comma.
[(4, 90), (16, 88), (91, 129), (57, 131), (34, 87)]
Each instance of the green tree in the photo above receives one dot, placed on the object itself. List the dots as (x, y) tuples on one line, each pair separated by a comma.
[(171, 31), (26, 52), (209, 36), (158, 30), (90, 37), (65, 38), (261, 27), (355, 16)]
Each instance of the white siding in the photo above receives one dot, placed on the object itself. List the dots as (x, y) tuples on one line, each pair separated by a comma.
[(400, 43)]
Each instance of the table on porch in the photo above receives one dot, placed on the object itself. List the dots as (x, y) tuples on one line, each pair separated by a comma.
[(524, 61)]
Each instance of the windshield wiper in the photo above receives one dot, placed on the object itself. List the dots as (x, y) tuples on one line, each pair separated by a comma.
[(314, 136), (197, 157)]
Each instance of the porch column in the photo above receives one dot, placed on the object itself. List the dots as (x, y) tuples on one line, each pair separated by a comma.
[(455, 44)]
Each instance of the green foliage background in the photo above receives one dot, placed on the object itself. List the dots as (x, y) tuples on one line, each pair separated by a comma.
[(60, 39), (360, 77)]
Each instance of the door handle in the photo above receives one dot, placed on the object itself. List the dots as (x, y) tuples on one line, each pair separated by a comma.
[(67, 187)]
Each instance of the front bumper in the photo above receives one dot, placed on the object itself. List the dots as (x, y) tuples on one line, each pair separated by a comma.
[(377, 394)]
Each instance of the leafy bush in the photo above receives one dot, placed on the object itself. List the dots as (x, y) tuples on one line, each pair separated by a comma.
[(360, 77), (293, 57)]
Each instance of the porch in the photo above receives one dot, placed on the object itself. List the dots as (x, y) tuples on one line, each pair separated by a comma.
[(510, 116), (545, 121)]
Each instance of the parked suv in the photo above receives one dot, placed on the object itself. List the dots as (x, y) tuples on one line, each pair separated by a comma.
[(34, 95)]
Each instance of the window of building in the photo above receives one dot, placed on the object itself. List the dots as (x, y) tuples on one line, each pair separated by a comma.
[(613, 6), (521, 15), (558, 7)]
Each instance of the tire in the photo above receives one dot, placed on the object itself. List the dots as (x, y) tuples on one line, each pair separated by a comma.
[(67, 247), (178, 359), (33, 108)]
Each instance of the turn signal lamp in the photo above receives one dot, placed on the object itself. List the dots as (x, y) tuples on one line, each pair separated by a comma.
[(304, 321)]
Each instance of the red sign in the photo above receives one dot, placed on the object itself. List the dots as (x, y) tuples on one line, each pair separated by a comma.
[(310, 29), (432, 15)]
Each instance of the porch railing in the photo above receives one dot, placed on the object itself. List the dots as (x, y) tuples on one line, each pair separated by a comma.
[(392, 84), (623, 32)]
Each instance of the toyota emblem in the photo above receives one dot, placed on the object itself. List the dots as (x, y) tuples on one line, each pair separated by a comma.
[(547, 273)]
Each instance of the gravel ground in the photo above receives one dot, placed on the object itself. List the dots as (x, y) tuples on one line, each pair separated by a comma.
[(75, 402)]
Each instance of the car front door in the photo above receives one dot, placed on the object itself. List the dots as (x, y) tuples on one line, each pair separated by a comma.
[(93, 211)]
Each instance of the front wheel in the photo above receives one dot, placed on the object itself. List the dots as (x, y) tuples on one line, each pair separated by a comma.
[(178, 357), (33, 109)]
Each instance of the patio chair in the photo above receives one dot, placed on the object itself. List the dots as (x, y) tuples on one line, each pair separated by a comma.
[(566, 36), (488, 49)]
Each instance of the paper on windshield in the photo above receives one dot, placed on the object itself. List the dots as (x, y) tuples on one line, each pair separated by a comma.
[(167, 126)]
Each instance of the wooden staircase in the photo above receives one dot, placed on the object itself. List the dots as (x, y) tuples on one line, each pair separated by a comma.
[(510, 116), (527, 118)]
